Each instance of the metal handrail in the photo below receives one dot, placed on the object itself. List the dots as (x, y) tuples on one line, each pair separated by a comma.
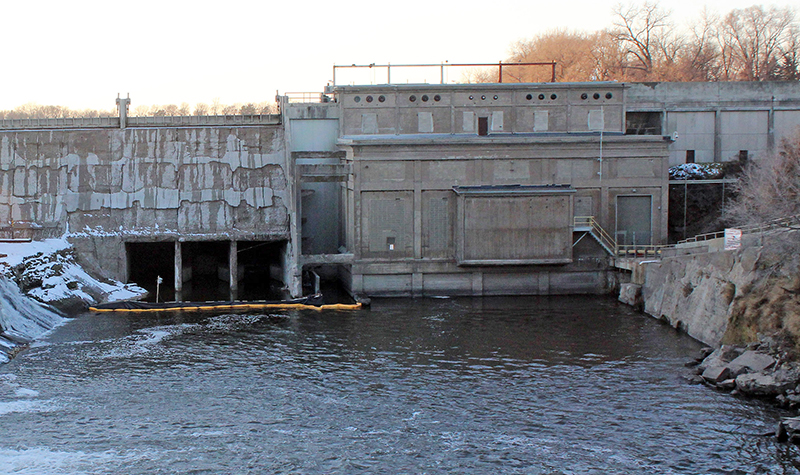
[(597, 230), (308, 97), (758, 228)]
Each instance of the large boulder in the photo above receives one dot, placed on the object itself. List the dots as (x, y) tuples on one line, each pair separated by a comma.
[(789, 430), (716, 374), (750, 362), (760, 384), (720, 357)]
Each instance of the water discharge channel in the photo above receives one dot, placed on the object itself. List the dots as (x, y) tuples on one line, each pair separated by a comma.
[(555, 385)]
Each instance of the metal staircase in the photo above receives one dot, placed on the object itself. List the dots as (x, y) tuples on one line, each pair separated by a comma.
[(589, 225)]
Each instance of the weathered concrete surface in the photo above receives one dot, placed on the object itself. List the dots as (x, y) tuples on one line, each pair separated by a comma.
[(695, 292), (729, 297), (631, 294), (110, 186)]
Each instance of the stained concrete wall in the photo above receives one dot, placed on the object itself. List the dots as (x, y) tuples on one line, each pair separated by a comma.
[(457, 109), (110, 186), (719, 119), (403, 189)]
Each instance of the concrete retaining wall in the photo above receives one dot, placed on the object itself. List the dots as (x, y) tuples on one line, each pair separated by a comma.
[(110, 186)]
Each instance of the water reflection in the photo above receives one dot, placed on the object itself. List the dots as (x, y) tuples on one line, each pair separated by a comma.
[(523, 385)]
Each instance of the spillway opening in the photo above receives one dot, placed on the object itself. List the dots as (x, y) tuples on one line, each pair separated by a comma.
[(261, 270), (205, 271), (149, 260)]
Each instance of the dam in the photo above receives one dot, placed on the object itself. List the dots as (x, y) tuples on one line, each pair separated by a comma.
[(391, 189)]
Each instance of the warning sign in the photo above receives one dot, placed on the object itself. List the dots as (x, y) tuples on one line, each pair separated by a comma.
[(733, 239)]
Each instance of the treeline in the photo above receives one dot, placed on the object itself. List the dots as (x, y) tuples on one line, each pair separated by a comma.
[(37, 111), (750, 44)]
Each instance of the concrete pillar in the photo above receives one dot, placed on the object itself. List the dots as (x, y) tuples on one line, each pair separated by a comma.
[(233, 263), (178, 272), (123, 105)]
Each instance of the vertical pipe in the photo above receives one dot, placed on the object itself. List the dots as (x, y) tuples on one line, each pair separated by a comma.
[(233, 264), (441, 74), (554, 72), (388, 73), (685, 198), (178, 272), (500, 72)]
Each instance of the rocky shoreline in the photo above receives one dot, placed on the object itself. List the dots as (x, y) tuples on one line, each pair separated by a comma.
[(768, 369)]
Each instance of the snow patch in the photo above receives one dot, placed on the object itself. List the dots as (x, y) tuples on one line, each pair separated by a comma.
[(696, 171)]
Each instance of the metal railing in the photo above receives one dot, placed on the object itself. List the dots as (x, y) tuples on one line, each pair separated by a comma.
[(618, 250), (445, 66), (759, 228), (594, 227), (309, 97)]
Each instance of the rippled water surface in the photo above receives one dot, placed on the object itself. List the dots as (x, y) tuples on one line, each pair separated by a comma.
[(525, 385)]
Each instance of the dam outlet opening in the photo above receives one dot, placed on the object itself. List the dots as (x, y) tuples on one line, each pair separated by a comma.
[(200, 271)]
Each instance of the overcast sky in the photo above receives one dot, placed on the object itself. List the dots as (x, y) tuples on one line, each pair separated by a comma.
[(81, 53)]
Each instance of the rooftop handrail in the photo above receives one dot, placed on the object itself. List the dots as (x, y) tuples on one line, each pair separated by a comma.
[(309, 97), (499, 65)]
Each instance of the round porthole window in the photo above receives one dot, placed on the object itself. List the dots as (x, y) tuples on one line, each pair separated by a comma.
[(584, 96), (541, 97), (369, 98), (357, 99), (412, 98), (529, 97), (553, 97), (381, 98), (495, 97), (471, 97), (483, 98), (609, 95), (425, 98), (437, 98), (596, 96)]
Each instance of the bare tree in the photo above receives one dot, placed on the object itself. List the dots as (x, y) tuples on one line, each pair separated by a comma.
[(769, 187), (643, 31), (216, 107), (699, 59), (201, 109), (754, 39), (571, 50)]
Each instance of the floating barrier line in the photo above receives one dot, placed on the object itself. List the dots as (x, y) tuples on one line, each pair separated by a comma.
[(244, 306)]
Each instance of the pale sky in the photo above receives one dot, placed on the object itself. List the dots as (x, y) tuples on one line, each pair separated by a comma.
[(81, 53)]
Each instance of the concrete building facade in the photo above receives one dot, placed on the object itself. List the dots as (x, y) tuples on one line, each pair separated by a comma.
[(449, 189)]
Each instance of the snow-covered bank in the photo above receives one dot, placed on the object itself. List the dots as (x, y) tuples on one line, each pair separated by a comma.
[(39, 275), (47, 271)]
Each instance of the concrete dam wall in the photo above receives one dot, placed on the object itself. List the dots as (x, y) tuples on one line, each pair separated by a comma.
[(108, 188)]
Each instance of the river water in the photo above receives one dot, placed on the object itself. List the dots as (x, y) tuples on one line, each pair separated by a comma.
[(555, 385)]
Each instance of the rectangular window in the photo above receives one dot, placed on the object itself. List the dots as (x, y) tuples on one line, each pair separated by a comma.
[(483, 126), (690, 156), (743, 156), (643, 123)]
